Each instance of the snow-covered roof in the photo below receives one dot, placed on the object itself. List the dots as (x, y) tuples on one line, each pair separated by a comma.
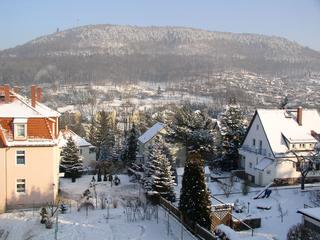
[(311, 212), (151, 132), (278, 123), (21, 107), (79, 141), (18, 109), (264, 163)]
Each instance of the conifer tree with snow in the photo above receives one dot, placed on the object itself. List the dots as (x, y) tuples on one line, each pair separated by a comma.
[(131, 147), (232, 129), (71, 163), (195, 202), (105, 138), (194, 129), (92, 134), (159, 175)]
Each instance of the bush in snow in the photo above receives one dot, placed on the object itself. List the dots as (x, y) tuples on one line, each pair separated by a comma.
[(245, 187), (301, 232)]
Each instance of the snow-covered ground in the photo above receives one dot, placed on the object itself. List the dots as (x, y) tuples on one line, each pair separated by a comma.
[(282, 199), (76, 225)]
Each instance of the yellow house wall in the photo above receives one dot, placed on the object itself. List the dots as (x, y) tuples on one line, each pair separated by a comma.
[(40, 171), (2, 181)]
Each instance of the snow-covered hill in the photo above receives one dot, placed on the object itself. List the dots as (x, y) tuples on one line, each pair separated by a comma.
[(152, 53)]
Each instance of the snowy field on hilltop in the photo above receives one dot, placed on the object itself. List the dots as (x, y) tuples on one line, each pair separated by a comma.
[(75, 225)]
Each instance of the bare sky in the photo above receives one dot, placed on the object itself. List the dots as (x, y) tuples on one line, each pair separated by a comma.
[(296, 20)]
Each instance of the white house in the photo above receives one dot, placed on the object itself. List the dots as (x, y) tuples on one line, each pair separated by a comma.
[(271, 137), (86, 150), (146, 138)]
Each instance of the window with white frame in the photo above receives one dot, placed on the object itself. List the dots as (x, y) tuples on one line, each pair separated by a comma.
[(254, 142), (20, 128), (21, 185), (21, 157), (250, 164)]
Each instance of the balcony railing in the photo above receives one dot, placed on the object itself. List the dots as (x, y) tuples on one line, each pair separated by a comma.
[(260, 151)]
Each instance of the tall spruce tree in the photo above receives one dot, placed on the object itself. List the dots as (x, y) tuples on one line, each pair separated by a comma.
[(158, 175), (131, 147), (195, 202), (232, 129), (105, 138), (70, 160)]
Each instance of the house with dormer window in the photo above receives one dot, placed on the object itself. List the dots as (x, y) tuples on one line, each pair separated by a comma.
[(29, 152), (273, 134)]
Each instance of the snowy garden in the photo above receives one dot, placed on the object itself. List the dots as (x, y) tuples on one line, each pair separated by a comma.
[(120, 219)]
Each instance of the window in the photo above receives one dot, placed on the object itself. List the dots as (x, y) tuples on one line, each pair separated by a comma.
[(20, 157), (250, 164), (268, 171), (21, 185), (294, 165), (260, 147), (293, 146), (257, 127), (92, 150), (80, 150), (254, 142), (20, 130)]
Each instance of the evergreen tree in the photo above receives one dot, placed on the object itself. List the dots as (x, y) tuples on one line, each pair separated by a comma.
[(105, 138), (232, 129), (70, 160), (158, 175), (195, 202), (131, 147), (194, 129), (92, 134)]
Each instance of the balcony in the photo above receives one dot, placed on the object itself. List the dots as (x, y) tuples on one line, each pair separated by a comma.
[(258, 151)]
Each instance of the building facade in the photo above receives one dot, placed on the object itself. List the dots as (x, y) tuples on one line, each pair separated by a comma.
[(272, 140), (29, 152)]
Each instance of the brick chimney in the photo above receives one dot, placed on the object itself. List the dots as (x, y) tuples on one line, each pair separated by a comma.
[(39, 94), (6, 93), (33, 96), (16, 89), (299, 116)]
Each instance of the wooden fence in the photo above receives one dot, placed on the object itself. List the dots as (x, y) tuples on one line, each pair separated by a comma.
[(194, 228)]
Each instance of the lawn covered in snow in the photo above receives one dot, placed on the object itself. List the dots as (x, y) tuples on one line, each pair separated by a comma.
[(75, 225), (284, 203)]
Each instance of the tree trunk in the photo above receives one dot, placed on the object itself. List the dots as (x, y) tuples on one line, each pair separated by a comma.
[(303, 177)]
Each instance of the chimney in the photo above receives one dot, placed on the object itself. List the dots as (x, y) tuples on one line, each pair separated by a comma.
[(39, 94), (6, 93), (299, 116), (33, 96), (16, 89)]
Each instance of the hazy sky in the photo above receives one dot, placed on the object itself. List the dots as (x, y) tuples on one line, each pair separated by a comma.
[(298, 20)]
